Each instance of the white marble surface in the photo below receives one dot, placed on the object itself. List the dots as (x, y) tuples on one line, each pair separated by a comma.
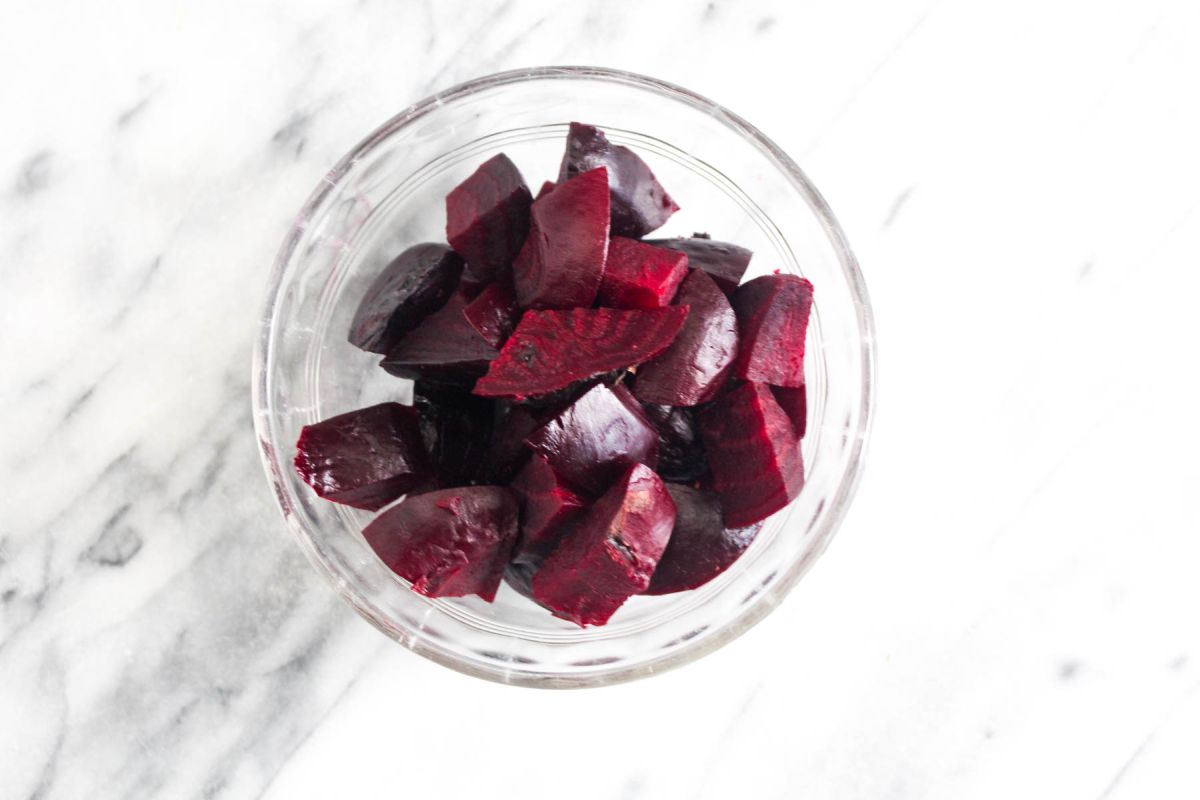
[(1009, 609)]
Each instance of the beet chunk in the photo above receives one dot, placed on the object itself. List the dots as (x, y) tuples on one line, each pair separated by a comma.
[(639, 202), (493, 314), (681, 454), (415, 284), (638, 275), (550, 350), (547, 188), (444, 348), (593, 440), (548, 507), (456, 426), (448, 543), (693, 368), (562, 261), (759, 470), (726, 263), (610, 555), (701, 547), (772, 314), (506, 452), (365, 458), (794, 402), (487, 216)]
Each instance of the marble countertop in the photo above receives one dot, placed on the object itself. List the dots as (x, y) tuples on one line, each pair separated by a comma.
[(1009, 608)]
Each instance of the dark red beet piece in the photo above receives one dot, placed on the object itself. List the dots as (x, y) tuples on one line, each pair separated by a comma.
[(550, 350), (726, 263), (415, 284), (547, 188), (639, 202), (562, 261), (493, 314), (610, 555), (593, 440), (365, 458), (548, 507), (506, 452), (759, 470), (487, 216), (638, 275), (456, 426), (444, 348), (772, 314), (681, 454), (794, 402), (701, 547), (692, 370), (448, 543)]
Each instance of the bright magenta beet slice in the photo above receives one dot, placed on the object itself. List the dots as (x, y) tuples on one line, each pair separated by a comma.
[(638, 275), (365, 458), (701, 547), (794, 402), (772, 314), (639, 202), (562, 261), (487, 216), (759, 470), (456, 426), (445, 348), (611, 553), (548, 507), (415, 284), (448, 543), (694, 367), (724, 262), (681, 455), (593, 440), (494, 313), (550, 350)]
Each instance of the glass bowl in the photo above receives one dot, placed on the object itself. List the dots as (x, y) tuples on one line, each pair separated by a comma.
[(388, 193)]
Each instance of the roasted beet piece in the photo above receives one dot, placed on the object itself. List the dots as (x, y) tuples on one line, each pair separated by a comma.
[(693, 368), (638, 275), (794, 402), (548, 507), (550, 350), (726, 263), (444, 348), (759, 470), (448, 543), (701, 547), (772, 313), (562, 261), (611, 553), (415, 284), (593, 440), (639, 202), (506, 452), (680, 452), (456, 426), (487, 216), (547, 188), (365, 458), (493, 314)]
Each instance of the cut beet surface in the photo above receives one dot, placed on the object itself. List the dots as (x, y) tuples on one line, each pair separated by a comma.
[(638, 275), (494, 313), (772, 314), (444, 348), (639, 202), (759, 470), (592, 441), (681, 454), (611, 553), (448, 543), (693, 368), (487, 217), (562, 261), (365, 458), (456, 426), (550, 350), (726, 263), (794, 402), (701, 547), (415, 284), (548, 507)]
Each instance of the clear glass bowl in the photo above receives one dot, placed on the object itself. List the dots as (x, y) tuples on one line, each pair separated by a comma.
[(388, 193)]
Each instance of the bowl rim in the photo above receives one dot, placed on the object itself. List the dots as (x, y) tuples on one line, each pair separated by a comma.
[(847, 482)]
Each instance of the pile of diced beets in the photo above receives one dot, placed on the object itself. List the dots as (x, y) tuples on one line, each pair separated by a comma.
[(595, 415)]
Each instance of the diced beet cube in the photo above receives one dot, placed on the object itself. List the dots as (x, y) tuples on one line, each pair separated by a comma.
[(456, 426), (507, 452), (701, 547), (444, 348), (611, 553), (487, 216), (365, 458), (415, 284), (548, 507), (681, 454), (593, 440), (562, 261), (694, 367), (638, 275), (448, 543), (772, 314), (726, 263), (759, 470), (547, 188), (639, 202), (794, 402), (494, 313), (550, 350)]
